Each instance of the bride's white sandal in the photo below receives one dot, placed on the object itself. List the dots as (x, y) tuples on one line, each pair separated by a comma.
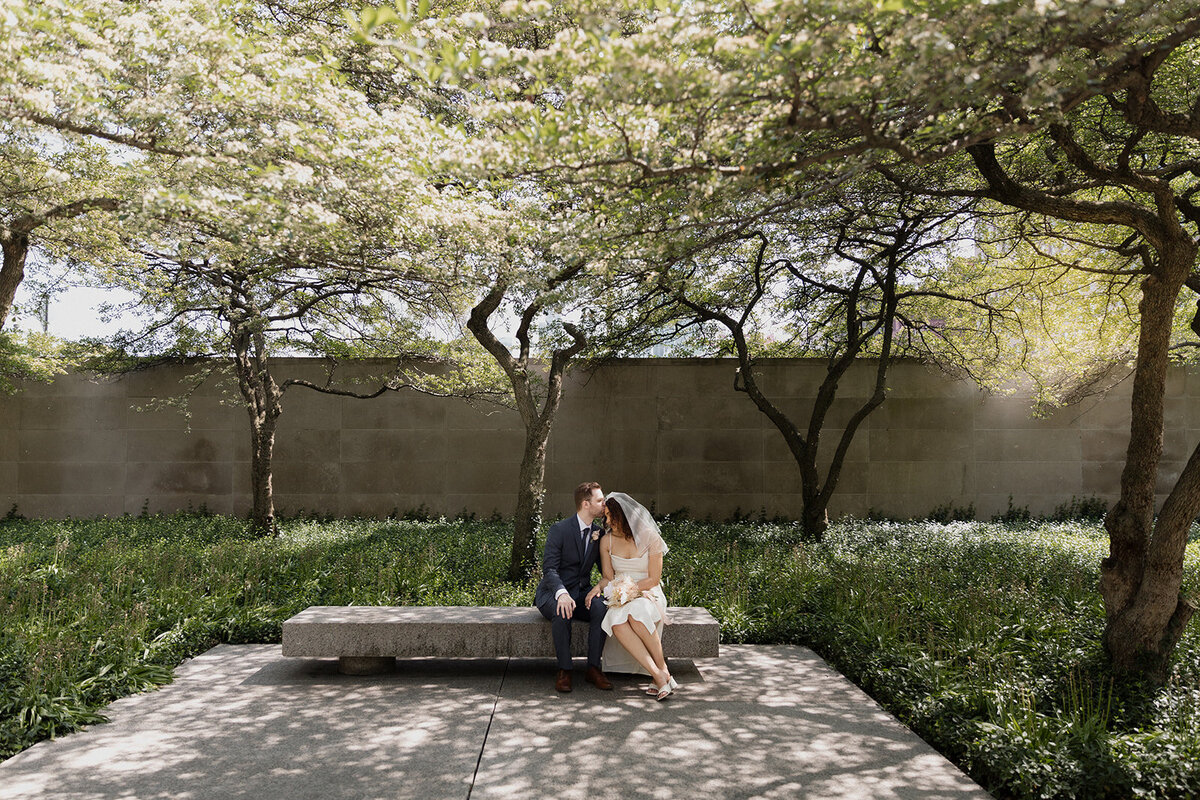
[(652, 690)]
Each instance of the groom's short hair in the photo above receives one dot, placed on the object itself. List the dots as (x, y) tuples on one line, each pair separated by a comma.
[(583, 491)]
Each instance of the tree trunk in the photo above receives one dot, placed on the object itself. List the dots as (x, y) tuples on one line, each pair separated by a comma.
[(1141, 579), (16, 249), (530, 501), (531, 490), (263, 399), (262, 514)]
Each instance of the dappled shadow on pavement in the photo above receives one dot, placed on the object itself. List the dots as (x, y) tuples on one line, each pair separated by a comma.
[(242, 722), (765, 722)]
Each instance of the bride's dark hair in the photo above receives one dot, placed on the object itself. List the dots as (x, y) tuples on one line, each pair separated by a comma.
[(620, 524)]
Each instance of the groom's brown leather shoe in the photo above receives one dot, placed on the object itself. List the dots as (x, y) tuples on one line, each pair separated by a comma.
[(563, 682), (597, 679)]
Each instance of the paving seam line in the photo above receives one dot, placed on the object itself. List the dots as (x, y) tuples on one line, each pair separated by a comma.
[(483, 744)]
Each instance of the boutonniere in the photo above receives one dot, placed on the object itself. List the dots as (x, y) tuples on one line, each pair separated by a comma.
[(596, 535)]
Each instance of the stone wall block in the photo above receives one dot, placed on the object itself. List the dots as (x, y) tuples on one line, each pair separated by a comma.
[(1055, 444), (71, 478), (703, 413), (1168, 476), (693, 505), (197, 479), (202, 414), (699, 378), (176, 381), (1106, 446), (162, 445), (1062, 478), (1016, 413), (307, 477), (1099, 478), (627, 414), (1176, 383), (307, 445), (909, 380), (10, 411), (477, 477), (495, 446), (66, 412), (710, 445), (923, 414), (1177, 445), (710, 478), (924, 479), (906, 444), (1111, 413), (78, 385), (1191, 381), (624, 447), (627, 380), (483, 417), (62, 506), (394, 411), (1178, 413), (383, 446), (9, 494)]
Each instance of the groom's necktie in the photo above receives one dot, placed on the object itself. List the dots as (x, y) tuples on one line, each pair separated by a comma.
[(583, 537)]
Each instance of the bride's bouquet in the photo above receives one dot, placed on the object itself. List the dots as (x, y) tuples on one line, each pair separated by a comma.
[(622, 590)]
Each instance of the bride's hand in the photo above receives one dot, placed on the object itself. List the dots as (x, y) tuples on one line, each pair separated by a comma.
[(587, 602)]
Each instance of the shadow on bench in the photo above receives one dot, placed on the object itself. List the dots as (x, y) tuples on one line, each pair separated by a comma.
[(368, 639)]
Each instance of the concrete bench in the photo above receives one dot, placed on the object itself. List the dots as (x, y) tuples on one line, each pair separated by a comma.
[(367, 639)]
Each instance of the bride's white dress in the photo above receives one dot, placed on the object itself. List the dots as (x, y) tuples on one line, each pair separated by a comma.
[(650, 609)]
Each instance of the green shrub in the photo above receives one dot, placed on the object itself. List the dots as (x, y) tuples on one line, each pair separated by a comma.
[(985, 638)]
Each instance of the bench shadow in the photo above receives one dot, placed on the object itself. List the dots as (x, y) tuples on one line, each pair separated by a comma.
[(324, 671)]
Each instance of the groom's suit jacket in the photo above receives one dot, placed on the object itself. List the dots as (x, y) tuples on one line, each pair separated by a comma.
[(566, 564)]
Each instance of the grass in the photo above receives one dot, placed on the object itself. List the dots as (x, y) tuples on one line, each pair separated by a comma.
[(982, 637)]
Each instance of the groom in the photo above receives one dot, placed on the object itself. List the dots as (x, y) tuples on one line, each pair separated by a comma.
[(572, 547)]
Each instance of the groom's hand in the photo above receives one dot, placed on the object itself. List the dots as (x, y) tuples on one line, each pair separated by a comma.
[(566, 606)]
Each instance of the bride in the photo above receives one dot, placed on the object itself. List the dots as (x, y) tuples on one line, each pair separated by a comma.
[(631, 563)]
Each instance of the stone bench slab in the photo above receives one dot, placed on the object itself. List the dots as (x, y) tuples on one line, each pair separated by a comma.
[(372, 632)]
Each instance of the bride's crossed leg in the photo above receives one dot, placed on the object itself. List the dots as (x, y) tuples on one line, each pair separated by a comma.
[(641, 643)]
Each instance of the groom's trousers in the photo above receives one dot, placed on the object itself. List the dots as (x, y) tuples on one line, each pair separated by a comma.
[(560, 629)]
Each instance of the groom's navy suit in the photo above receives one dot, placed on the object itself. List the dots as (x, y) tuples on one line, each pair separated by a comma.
[(567, 564)]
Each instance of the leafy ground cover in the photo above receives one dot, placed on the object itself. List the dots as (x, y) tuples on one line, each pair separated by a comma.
[(982, 637)]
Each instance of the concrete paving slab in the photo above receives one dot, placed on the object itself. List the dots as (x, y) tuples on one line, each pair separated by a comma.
[(243, 722), (759, 722)]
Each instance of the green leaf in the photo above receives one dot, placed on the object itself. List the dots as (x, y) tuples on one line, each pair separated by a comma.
[(403, 10), (422, 9), (384, 15)]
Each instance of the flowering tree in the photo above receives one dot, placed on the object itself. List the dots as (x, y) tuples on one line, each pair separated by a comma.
[(267, 202), (724, 113), (610, 315)]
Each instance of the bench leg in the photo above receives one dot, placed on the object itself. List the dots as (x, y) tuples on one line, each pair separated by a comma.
[(365, 665)]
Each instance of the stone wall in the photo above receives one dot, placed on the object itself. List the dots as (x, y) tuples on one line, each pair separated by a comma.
[(671, 432)]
